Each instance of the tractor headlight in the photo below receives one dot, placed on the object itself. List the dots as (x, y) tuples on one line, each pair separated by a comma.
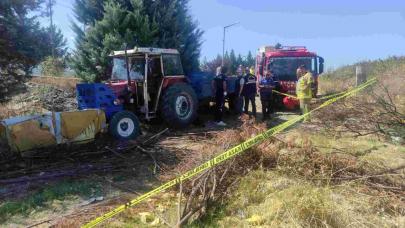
[(117, 102)]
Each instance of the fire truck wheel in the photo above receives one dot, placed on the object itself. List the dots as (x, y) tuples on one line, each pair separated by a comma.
[(179, 105), (124, 125)]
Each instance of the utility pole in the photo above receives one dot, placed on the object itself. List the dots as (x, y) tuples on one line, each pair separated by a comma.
[(50, 5), (223, 44)]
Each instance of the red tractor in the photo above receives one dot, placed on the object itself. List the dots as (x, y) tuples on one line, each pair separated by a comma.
[(148, 83), (283, 62), (145, 83)]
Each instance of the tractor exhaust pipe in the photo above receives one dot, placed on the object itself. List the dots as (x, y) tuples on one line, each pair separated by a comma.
[(127, 65)]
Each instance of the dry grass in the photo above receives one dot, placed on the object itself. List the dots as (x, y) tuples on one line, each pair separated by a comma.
[(28, 101), (271, 199), (316, 181), (60, 82), (19, 106), (379, 110)]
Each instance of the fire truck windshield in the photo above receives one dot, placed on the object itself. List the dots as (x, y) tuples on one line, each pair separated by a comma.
[(136, 69), (286, 67)]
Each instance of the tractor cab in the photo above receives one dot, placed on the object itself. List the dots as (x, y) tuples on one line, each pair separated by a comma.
[(140, 75)]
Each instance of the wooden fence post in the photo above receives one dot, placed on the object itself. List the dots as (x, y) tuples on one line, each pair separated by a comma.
[(360, 75)]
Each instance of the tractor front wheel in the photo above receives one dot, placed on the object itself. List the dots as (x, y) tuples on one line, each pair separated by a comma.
[(124, 125), (179, 105)]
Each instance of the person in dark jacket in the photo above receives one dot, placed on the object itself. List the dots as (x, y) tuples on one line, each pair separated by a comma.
[(276, 99), (249, 91), (219, 90), (239, 83), (266, 85)]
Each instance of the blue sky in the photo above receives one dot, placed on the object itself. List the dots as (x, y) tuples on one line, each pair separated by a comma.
[(343, 32)]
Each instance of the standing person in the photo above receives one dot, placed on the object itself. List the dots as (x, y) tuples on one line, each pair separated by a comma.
[(240, 82), (249, 91), (219, 90), (266, 85), (299, 73), (304, 91), (276, 99)]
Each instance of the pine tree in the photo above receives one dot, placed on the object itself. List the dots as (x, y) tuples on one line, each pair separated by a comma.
[(204, 65), (88, 12), (250, 61), (233, 65), (176, 29), (23, 42), (59, 42), (119, 26), (211, 66), (22, 39), (171, 27), (239, 60)]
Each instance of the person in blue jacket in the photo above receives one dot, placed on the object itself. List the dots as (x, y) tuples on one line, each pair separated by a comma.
[(265, 86), (276, 99)]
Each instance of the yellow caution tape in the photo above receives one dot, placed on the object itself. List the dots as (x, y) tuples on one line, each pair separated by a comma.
[(287, 95), (222, 157), (322, 98), (333, 95)]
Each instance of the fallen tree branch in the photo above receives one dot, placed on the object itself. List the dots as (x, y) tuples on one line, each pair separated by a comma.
[(116, 153), (155, 136), (40, 223), (156, 165)]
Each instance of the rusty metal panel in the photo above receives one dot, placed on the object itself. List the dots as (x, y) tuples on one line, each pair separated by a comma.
[(37, 131), (81, 125), (28, 132)]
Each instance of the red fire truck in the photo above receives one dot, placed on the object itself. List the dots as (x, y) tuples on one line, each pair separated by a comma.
[(283, 62)]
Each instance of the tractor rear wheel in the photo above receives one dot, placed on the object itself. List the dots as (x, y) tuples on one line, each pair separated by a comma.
[(124, 125), (179, 105)]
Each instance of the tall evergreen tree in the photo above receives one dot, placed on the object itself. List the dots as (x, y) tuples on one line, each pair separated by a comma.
[(22, 39), (233, 64), (175, 28), (250, 60), (117, 27), (59, 42), (211, 66), (88, 12), (239, 60), (23, 42)]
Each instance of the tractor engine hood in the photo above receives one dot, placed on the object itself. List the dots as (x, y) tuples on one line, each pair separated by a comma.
[(120, 87)]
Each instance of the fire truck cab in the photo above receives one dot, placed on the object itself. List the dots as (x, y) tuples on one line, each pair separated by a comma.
[(284, 61)]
